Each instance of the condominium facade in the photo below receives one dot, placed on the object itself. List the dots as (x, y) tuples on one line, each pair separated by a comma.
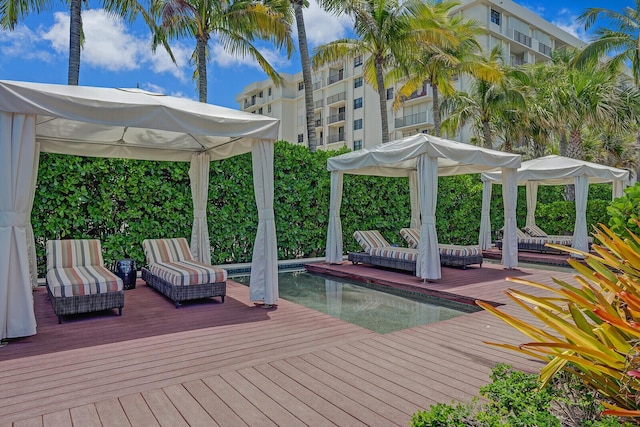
[(346, 109)]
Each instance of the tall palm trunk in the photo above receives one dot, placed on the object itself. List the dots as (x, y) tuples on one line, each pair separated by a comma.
[(563, 143), (382, 95), (436, 109), (75, 37), (486, 130), (306, 74), (201, 47)]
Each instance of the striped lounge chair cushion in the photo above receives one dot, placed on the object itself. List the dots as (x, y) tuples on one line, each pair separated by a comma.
[(73, 253), (559, 240), (411, 236), (370, 239), (166, 250), (185, 273), (458, 250), (534, 231), (82, 280), (406, 254)]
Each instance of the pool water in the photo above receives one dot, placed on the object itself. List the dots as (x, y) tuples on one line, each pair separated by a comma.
[(378, 308)]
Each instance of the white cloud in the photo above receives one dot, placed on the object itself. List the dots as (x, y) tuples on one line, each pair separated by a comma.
[(566, 20), (224, 59), (110, 44), (322, 27), (22, 42)]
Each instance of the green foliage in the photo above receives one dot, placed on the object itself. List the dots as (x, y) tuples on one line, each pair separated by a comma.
[(624, 212), (514, 399), (122, 202)]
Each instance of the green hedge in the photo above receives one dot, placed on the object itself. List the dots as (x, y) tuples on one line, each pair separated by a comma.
[(122, 202)]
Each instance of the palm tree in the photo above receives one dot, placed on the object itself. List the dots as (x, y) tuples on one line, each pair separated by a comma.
[(620, 39), (486, 100), (12, 12), (439, 65), (387, 33), (236, 23)]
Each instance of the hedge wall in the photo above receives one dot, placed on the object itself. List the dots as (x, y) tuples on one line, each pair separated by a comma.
[(122, 202)]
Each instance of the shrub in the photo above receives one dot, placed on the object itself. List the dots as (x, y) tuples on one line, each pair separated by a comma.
[(624, 212)]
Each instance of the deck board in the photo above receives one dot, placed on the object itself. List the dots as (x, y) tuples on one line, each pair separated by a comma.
[(237, 364)]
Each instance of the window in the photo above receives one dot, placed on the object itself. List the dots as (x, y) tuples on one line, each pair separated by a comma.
[(357, 61), (260, 94), (357, 145), (389, 93), (300, 138), (357, 82), (357, 124), (357, 103), (300, 85), (495, 17), (260, 110), (269, 108), (269, 92)]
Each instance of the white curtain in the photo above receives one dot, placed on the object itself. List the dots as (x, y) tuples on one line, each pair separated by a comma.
[(484, 240), (532, 199), (415, 203), (264, 264), (509, 238), (617, 189), (18, 173), (580, 240), (199, 176), (428, 265), (334, 231)]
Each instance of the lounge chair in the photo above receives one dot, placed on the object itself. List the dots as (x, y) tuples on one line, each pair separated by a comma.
[(377, 251), (77, 280), (528, 242), (450, 255), (172, 270)]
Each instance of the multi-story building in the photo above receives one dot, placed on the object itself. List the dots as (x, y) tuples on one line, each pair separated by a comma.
[(347, 109)]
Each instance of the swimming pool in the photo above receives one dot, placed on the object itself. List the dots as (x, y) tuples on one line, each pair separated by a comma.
[(378, 308)]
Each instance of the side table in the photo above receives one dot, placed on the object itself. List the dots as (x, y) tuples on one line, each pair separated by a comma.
[(126, 270)]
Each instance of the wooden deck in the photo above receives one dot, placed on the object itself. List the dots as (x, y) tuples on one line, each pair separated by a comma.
[(238, 364)]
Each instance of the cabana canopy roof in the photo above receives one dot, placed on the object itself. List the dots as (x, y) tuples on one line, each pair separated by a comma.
[(559, 170), (398, 158), (131, 123)]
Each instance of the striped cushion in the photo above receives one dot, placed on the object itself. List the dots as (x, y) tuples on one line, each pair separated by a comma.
[(534, 231), (411, 236), (73, 253), (166, 250), (521, 234), (82, 280), (406, 254), (184, 273), (370, 239), (458, 250)]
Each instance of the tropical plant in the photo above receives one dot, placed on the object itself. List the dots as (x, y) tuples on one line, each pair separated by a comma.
[(589, 329), (624, 212), (12, 12), (438, 65), (237, 24), (388, 30), (486, 99)]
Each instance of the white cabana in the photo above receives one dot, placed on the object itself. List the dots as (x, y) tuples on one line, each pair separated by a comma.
[(421, 158), (123, 123), (558, 170)]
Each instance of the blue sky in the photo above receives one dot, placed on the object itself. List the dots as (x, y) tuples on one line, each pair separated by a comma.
[(117, 54)]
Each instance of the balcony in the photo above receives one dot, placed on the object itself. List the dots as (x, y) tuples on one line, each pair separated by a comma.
[(318, 104), (336, 98), (544, 49), (335, 138), (335, 77), (318, 122), (517, 61), (249, 103), (336, 118), (522, 38), (411, 120), (415, 95), (317, 85)]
